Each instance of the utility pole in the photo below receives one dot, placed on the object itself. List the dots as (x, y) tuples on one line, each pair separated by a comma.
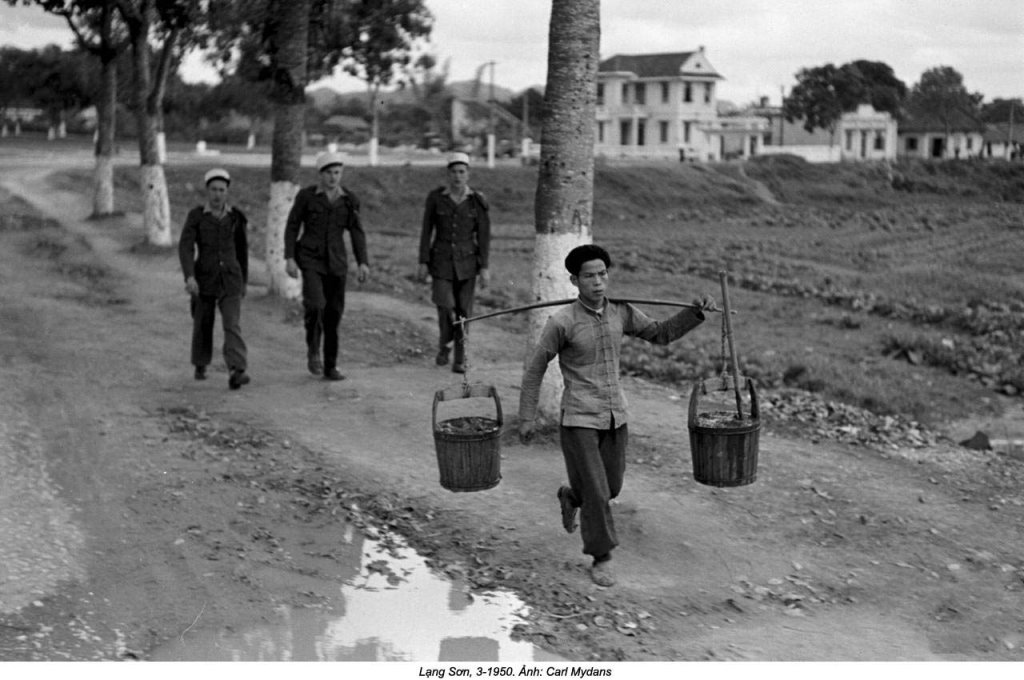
[(490, 130), (782, 117), (1009, 132), (526, 113), (525, 138)]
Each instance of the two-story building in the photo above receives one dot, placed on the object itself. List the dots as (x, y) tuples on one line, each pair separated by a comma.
[(665, 106)]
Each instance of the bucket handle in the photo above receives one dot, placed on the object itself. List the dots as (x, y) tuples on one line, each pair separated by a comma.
[(465, 391), (721, 384)]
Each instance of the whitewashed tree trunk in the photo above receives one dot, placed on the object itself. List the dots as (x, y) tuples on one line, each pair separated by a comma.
[(155, 199), (157, 205), (103, 186), (51, 134), (62, 130), (3, 130), (104, 138), (374, 146), (563, 206), (161, 147), (251, 142), (282, 195), (288, 139)]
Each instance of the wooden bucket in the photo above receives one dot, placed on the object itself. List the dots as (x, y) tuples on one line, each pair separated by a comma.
[(723, 448), (468, 448)]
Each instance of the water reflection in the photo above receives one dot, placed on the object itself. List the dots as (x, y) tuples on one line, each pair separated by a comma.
[(394, 608)]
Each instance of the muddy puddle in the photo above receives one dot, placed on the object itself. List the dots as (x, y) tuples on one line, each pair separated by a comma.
[(391, 607)]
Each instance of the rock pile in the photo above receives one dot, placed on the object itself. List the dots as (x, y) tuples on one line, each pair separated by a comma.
[(820, 419)]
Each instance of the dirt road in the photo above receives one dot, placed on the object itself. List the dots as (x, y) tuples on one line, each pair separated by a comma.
[(135, 498)]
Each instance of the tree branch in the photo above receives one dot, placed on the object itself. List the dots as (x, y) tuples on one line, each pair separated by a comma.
[(162, 72)]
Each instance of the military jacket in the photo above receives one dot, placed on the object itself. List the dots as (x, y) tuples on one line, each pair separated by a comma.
[(455, 239), (314, 234), (215, 251)]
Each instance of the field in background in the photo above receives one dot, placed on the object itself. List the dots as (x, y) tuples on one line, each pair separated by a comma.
[(896, 290)]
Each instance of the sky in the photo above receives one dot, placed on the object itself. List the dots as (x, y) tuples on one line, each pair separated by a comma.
[(756, 45)]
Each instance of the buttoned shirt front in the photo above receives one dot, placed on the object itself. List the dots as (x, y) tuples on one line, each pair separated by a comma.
[(213, 248), (314, 233), (455, 238), (588, 344)]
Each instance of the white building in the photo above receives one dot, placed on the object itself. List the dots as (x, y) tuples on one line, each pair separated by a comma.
[(926, 135), (665, 106), (861, 135)]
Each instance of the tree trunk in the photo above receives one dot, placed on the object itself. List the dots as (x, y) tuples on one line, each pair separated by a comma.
[(374, 125), (156, 218), (563, 206), (155, 99), (286, 147), (103, 175)]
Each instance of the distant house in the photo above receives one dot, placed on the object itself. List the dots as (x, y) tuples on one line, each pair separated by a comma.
[(665, 106), (861, 135), (926, 135), (1003, 140)]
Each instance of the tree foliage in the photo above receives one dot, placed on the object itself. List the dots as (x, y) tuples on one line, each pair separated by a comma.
[(374, 40), (875, 83), (941, 93), (13, 87), (824, 93), (998, 111), (61, 81), (50, 78), (817, 98)]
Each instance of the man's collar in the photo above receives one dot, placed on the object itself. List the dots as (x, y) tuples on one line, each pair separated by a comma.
[(208, 209), (448, 192), (587, 307), (320, 190)]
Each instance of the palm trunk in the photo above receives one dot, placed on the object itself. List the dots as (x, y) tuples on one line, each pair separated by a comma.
[(565, 186), (286, 150)]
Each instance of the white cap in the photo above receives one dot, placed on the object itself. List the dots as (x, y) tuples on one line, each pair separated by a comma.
[(217, 173), (458, 157), (329, 158)]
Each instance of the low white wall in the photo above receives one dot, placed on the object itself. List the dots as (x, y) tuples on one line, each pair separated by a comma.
[(811, 154)]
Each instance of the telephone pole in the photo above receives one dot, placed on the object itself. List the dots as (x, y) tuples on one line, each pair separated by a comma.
[(1009, 132), (490, 129)]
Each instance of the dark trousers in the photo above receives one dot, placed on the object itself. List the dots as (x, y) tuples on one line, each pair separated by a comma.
[(454, 299), (323, 297), (596, 463), (204, 308)]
